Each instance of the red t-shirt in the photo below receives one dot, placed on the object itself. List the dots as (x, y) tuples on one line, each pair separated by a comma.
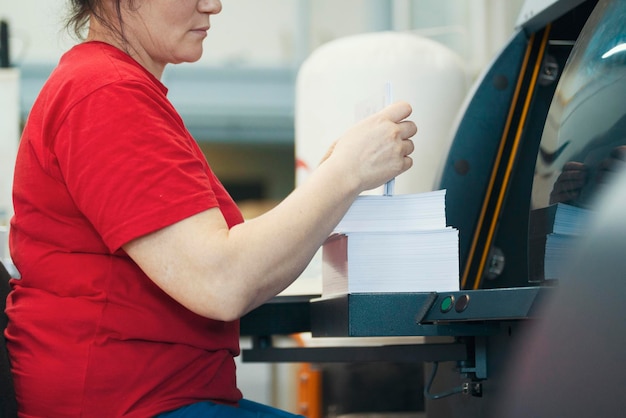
[(104, 159)]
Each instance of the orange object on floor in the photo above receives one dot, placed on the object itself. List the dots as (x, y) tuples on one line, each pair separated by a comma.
[(309, 391), (309, 387)]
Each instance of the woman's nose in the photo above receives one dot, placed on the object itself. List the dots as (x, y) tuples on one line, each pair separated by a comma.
[(210, 6)]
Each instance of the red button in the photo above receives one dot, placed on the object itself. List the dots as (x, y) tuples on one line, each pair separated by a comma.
[(461, 303)]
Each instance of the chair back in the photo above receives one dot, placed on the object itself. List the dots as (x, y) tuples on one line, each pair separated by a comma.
[(8, 403)]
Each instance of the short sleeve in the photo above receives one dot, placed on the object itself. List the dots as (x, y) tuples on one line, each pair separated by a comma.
[(130, 164)]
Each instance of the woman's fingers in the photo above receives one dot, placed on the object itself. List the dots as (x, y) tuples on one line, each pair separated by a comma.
[(397, 111)]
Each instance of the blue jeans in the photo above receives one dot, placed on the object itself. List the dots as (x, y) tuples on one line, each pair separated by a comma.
[(247, 409)]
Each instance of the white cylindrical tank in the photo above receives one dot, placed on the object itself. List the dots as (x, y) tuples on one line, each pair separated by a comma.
[(344, 76)]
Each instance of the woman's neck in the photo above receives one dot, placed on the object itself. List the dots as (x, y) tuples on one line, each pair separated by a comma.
[(123, 41)]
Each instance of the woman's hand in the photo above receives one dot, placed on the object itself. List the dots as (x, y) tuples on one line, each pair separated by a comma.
[(570, 182), (377, 148)]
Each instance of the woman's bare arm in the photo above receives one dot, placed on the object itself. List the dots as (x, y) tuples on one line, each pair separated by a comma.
[(223, 274)]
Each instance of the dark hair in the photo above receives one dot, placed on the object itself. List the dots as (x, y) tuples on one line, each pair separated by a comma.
[(80, 11)]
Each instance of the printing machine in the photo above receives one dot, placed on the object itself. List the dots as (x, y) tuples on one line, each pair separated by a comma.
[(545, 125)]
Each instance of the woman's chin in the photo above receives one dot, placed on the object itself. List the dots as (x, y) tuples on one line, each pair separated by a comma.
[(192, 56)]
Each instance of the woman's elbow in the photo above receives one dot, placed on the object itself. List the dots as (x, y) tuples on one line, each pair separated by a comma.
[(219, 306)]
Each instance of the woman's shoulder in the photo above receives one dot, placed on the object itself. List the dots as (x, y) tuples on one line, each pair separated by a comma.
[(92, 65), (97, 69)]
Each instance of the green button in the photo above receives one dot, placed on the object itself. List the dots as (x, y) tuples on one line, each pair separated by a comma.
[(446, 304)]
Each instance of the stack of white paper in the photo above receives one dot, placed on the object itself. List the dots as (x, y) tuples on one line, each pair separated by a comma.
[(392, 244), (405, 212), (568, 224), (569, 220)]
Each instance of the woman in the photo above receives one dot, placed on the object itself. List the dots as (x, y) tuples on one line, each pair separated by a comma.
[(136, 264)]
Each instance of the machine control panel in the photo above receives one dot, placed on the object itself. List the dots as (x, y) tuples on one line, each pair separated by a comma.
[(483, 305)]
